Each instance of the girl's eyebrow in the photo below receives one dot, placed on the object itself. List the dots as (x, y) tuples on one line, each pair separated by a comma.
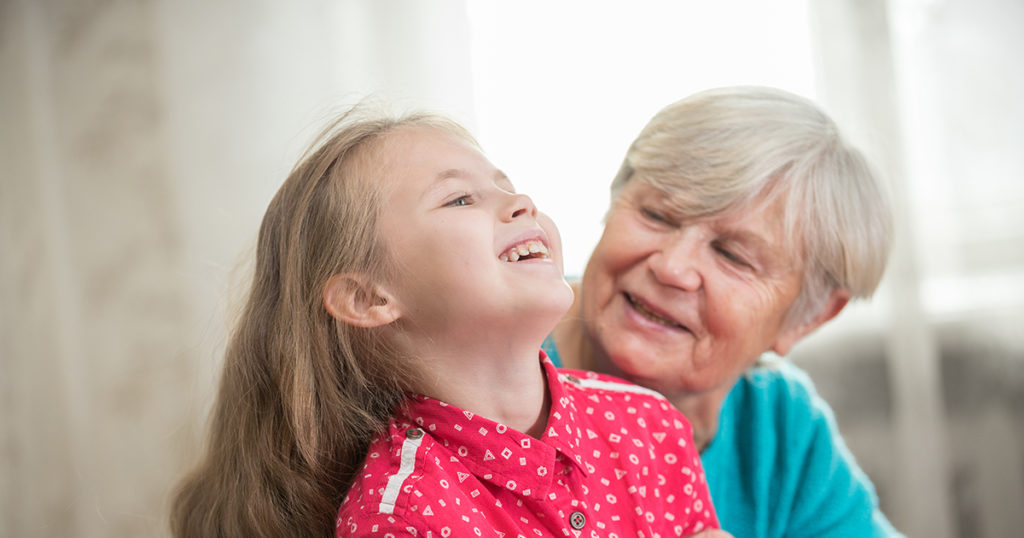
[(455, 173), (449, 174), (441, 178)]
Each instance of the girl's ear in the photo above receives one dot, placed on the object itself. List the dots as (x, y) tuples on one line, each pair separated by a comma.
[(357, 300)]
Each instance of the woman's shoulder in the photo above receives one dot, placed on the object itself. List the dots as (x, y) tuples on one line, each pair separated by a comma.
[(774, 393), (775, 421), (777, 379)]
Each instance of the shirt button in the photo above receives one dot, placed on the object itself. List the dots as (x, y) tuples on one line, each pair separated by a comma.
[(414, 433), (577, 520), (574, 380)]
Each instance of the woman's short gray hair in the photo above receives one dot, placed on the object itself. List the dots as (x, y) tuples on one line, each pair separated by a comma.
[(729, 147)]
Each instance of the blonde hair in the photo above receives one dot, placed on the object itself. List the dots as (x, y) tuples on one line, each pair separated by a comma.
[(728, 148), (301, 394)]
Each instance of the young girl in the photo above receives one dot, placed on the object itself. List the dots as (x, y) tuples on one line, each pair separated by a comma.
[(389, 349)]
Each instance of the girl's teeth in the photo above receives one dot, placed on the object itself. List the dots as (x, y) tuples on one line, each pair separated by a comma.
[(524, 250)]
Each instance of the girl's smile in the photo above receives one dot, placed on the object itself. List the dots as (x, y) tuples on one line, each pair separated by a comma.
[(454, 227)]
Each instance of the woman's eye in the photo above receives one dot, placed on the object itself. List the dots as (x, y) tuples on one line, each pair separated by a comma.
[(732, 257), (654, 215), (465, 199)]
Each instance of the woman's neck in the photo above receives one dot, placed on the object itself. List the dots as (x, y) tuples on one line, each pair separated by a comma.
[(702, 410), (576, 350)]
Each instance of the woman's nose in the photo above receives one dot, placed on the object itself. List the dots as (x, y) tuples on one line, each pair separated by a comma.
[(677, 262), (518, 205)]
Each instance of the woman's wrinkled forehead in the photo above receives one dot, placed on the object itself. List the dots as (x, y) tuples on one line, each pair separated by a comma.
[(699, 197), (694, 201)]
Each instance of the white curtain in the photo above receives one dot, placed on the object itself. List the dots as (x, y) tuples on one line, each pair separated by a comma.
[(141, 140), (140, 144), (929, 89)]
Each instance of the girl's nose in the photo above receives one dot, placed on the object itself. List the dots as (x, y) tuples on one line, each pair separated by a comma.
[(518, 205)]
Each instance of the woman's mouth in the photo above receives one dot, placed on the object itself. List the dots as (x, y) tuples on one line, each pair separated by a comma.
[(643, 310)]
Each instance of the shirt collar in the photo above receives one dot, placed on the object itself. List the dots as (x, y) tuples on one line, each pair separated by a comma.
[(499, 454)]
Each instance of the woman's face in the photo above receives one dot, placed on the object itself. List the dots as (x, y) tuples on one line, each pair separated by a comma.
[(686, 306)]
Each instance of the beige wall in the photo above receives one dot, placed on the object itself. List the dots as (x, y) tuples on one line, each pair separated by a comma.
[(140, 141), (93, 356)]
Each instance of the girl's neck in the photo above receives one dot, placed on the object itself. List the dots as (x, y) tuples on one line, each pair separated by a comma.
[(502, 381), (570, 336)]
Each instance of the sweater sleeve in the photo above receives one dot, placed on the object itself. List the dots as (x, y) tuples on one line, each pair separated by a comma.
[(548, 346), (832, 495), (778, 466)]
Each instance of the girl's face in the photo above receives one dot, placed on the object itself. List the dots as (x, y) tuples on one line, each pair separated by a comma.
[(471, 254)]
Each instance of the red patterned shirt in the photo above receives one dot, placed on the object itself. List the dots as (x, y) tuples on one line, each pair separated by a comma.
[(616, 460)]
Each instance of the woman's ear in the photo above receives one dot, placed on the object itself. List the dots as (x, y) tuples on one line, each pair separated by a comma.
[(357, 300), (833, 306)]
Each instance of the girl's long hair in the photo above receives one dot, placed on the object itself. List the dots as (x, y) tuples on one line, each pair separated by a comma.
[(301, 395)]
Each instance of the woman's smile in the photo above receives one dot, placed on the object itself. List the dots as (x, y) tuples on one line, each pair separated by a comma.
[(648, 312)]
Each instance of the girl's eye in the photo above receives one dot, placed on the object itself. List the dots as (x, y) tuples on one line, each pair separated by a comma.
[(463, 200)]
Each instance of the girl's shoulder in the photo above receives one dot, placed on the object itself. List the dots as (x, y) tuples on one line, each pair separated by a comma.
[(597, 382)]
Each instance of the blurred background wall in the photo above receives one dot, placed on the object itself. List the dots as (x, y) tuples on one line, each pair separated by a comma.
[(140, 141)]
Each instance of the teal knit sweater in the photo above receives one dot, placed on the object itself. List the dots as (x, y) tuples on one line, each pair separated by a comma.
[(778, 467)]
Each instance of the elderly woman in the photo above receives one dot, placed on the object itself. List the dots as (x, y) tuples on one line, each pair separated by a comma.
[(740, 222)]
